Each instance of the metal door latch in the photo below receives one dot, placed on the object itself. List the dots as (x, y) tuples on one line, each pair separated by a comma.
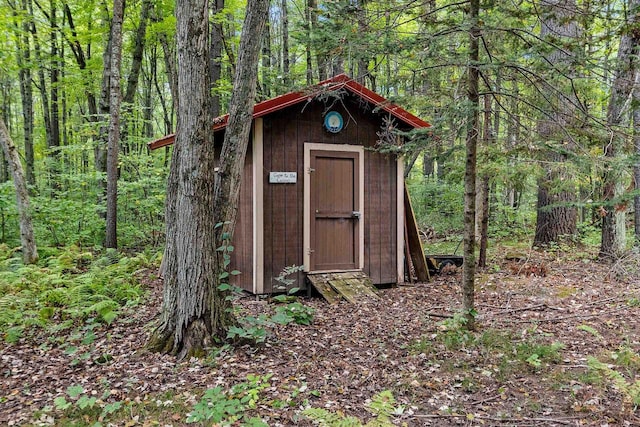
[(355, 214)]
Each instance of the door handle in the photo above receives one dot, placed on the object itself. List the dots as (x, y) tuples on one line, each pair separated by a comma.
[(355, 214)]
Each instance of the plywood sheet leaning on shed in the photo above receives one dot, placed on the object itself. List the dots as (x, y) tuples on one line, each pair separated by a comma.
[(352, 286), (414, 245)]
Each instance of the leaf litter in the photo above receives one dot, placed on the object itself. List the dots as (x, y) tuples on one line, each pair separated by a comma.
[(400, 342)]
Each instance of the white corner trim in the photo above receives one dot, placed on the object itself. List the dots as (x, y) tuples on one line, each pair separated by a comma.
[(258, 207), (400, 218)]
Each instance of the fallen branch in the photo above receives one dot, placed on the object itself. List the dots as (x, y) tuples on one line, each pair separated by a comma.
[(515, 310), (568, 421), (487, 400), (441, 316), (575, 316)]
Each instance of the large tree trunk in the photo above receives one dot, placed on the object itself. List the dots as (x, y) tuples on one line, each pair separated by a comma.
[(557, 216), (613, 241), (111, 235), (469, 266), (195, 312), (27, 236), (189, 284)]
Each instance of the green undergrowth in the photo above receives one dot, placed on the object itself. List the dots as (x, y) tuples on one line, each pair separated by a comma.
[(501, 350), (619, 368), (223, 405), (69, 287)]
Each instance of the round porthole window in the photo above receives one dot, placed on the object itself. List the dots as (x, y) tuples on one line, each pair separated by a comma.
[(333, 122)]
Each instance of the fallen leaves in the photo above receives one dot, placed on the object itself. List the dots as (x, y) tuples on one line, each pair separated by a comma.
[(351, 352)]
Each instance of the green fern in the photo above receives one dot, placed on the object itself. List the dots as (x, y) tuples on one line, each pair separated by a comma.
[(383, 405), (630, 389), (324, 418), (68, 284)]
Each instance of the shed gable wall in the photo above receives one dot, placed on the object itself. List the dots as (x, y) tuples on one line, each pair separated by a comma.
[(285, 133)]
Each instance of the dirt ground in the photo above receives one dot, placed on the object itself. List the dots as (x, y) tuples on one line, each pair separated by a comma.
[(402, 341)]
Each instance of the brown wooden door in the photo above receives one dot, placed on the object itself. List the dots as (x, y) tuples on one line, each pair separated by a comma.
[(334, 210)]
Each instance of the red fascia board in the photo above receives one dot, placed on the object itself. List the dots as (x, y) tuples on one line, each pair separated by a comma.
[(278, 103)]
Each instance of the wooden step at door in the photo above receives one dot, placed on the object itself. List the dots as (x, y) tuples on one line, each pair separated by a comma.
[(352, 286)]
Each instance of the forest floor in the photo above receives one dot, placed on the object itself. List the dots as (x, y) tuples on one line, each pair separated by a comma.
[(557, 343)]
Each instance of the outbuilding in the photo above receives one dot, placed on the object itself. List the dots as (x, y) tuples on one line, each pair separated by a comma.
[(315, 191)]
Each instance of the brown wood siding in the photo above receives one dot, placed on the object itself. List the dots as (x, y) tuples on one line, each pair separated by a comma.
[(283, 203), (242, 256), (285, 133)]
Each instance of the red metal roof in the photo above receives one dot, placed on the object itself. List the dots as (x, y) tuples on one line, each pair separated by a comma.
[(341, 81)]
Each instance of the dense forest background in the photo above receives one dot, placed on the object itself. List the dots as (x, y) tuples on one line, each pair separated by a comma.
[(556, 91), (533, 156)]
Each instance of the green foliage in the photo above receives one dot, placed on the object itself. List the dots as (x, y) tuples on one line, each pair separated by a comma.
[(628, 386), (289, 310), (382, 405), (285, 282), (438, 204), (508, 352), (250, 328), (68, 284), (77, 403), (293, 312), (220, 407)]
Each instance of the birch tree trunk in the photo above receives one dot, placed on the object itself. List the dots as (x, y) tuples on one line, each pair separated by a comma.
[(27, 236), (111, 236)]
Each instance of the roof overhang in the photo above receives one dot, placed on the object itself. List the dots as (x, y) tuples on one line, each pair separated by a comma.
[(341, 81)]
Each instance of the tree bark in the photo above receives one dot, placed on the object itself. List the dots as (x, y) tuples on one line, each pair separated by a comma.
[(613, 243), (308, 29), (286, 62), (27, 236), (26, 90), (169, 55), (556, 213), (81, 60), (54, 73), (195, 312), (473, 101), (636, 166), (134, 74), (215, 57), (266, 62), (482, 189), (111, 235)]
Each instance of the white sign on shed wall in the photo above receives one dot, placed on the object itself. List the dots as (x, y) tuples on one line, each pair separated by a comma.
[(283, 177)]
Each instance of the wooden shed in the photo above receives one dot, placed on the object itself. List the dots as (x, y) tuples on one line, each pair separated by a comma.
[(314, 193)]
